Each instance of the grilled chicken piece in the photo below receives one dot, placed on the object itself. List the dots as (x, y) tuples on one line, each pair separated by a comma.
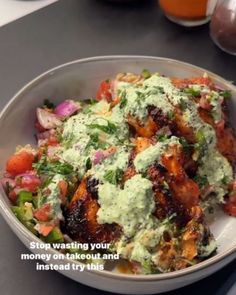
[(81, 219), (158, 117), (147, 130), (181, 129), (184, 189), (166, 202)]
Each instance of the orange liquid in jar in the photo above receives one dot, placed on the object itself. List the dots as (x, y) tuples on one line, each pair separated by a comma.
[(185, 9)]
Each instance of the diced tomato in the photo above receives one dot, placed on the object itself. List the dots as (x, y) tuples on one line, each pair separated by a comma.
[(104, 91), (43, 213), (53, 140), (20, 163), (230, 205), (30, 182), (201, 81), (183, 83), (45, 229)]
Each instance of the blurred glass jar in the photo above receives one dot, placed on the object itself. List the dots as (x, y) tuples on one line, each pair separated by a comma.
[(223, 25), (188, 13)]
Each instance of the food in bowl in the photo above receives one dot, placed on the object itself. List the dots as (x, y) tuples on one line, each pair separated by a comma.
[(138, 168)]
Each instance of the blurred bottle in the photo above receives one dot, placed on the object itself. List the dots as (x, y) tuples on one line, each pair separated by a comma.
[(188, 13), (223, 25)]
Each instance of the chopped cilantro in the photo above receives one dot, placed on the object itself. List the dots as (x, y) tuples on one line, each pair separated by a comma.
[(226, 94), (201, 145), (183, 104), (110, 128), (162, 137), (114, 176), (192, 92), (88, 164), (140, 96), (123, 102), (95, 142), (171, 115), (44, 167), (225, 180), (146, 74)]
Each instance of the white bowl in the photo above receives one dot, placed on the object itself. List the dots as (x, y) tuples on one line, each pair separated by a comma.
[(79, 79)]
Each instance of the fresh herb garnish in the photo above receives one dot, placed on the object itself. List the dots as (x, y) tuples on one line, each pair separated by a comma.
[(140, 96), (87, 110), (114, 176), (146, 74), (183, 104), (68, 139), (44, 167), (201, 145), (171, 115), (225, 180), (95, 142), (110, 128), (192, 92), (123, 102), (162, 137), (226, 94), (88, 164)]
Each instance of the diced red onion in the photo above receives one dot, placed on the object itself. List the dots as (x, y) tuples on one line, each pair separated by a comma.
[(204, 104), (67, 108), (98, 157), (47, 120), (217, 87)]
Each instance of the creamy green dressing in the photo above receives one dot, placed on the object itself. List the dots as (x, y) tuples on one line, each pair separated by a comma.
[(53, 197), (118, 160), (216, 168), (139, 97), (130, 207)]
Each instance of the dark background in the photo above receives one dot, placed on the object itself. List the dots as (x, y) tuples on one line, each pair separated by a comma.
[(72, 29)]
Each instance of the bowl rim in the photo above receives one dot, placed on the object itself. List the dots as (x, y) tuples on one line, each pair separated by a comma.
[(17, 226)]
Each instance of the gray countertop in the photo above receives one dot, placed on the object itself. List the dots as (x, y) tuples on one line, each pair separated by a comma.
[(73, 29)]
